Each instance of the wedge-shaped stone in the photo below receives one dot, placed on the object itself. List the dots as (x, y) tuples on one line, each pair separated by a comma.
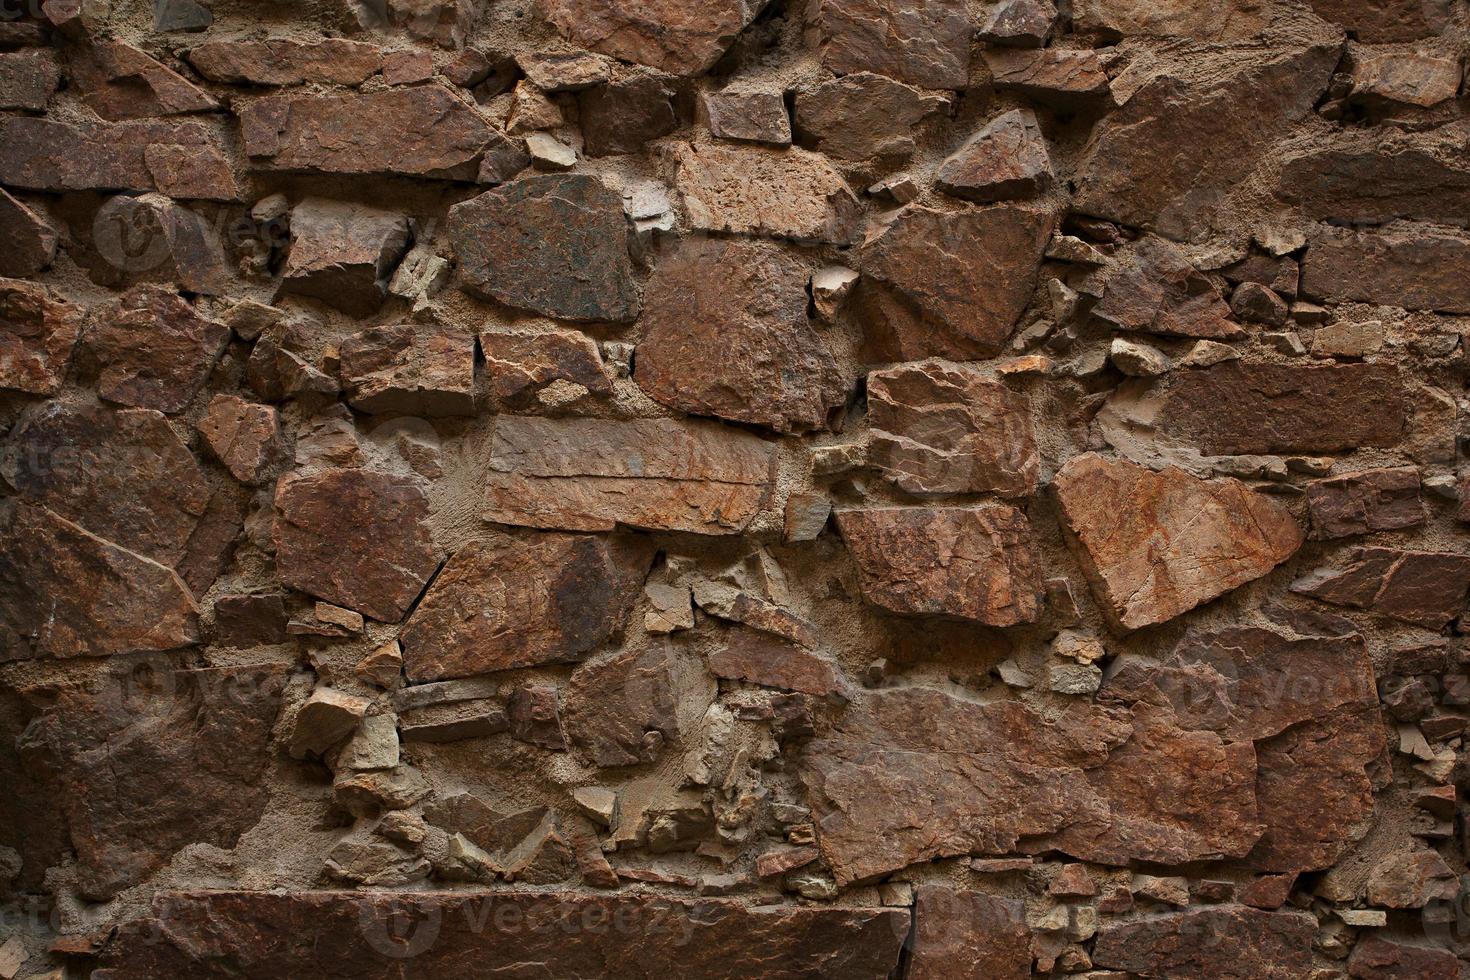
[(614, 705), (352, 934), (974, 563), (155, 350), (1416, 268), (922, 42), (1422, 587), (178, 159), (1006, 160), (941, 428), (1227, 942), (28, 239), (507, 602), (1157, 544), (758, 190), (343, 253), (1067, 79), (671, 35), (118, 81), (523, 365), (415, 369), (593, 474), (748, 301), (1151, 286), (245, 437), (863, 116), (38, 331), (286, 61)]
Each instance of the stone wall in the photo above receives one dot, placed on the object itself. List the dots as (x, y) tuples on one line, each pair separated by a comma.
[(913, 489)]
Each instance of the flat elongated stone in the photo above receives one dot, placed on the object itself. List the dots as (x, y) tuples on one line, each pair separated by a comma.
[(757, 190), (1366, 177), (1230, 20), (963, 935), (507, 602), (421, 131), (973, 563), (928, 302), (155, 350), (1151, 286), (27, 239), (1068, 79), (1225, 942), (1387, 20), (556, 245), (591, 474), (1382, 959), (46, 155), (1005, 161), (941, 428), (343, 253), (352, 934), (613, 705), (1415, 78), (286, 61), (749, 301), (1423, 587), (922, 42), (415, 369), (38, 330), (1155, 545), (670, 35), (1364, 502), (355, 538), (1417, 269), (120, 81), (760, 658), (862, 116)]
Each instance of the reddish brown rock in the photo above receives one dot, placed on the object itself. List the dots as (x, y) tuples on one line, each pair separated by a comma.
[(751, 117), (1155, 545), (1422, 587), (38, 330), (243, 436), (153, 239), (556, 245), (592, 474), (249, 620), (1373, 176), (522, 366), (923, 299), (1411, 880), (665, 34), (422, 131), (1005, 161), (1243, 407), (509, 602), (1387, 20), (118, 81), (756, 190), (1232, 20), (285, 61), (444, 22), (623, 115), (1151, 286), (1407, 266), (1364, 502), (973, 563), (534, 715), (154, 350), (1410, 78), (941, 428), (622, 711), (1382, 959), (1188, 102), (748, 301), (863, 116), (414, 369), (27, 239), (354, 538), (924, 43), (968, 936), (1064, 78), (1224, 942), (45, 155), (760, 658), (366, 935), (28, 79), (343, 253), (1019, 23)]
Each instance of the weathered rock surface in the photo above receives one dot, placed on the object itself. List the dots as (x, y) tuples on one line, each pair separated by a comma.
[(523, 365), (960, 935), (623, 115), (1374, 177), (613, 706), (119, 81), (924, 300), (1387, 20), (1067, 79), (1155, 545), (973, 563), (1413, 78), (152, 239), (343, 253), (748, 301), (509, 602), (556, 245), (38, 330), (863, 116), (176, 158), (1151, 286), (28, 79), (591, 474), (756, 190), (1233, 20), (924, 43), (1367, 501), (355, 538), (1006, 160), (27, 239), (665, 34), (1382, 959), (1422, 587), (154, 349), (243, 436), (1415, 268), (755, 116), (1227, 941), (769, 661), (414, 369), (281, 61)]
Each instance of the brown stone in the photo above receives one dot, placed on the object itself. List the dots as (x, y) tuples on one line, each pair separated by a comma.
[(46, 155), (1378, 21), (863, 116), (555, 245), (757, 190), (750, 117), (973, 563), (1224, 942), (118, 81), (1406, 266), (354, 538), (534, 714), (939, 428), (154, 350), (146, 760), (659, 474), (249, 620), (1369, 176), (924, 43), (509, 602), (1243, 407), (243, 436), (1382, 959), (28, 79), (615, 706), (553, 72), (353, 933), (1365, 502), (1231, 20), (38, 330), (749, 301), (522, 366), (27, 239), (760, 658), (1189, 102), (623, 115), (1422, 587), (444, 22), (343, 253), (285, 61), (1155, 545), (422, 131), (964, 935), (413, 369), (1004, 161), (1064, 78), (1019, 23), (153, 239), (923, 299), (1411, 880), (1151, 286), (1412, 78), (665, 34), (1268, 892)]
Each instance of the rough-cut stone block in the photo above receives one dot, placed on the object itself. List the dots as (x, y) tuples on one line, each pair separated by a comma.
[(1414, 78), (27, 239), (1006, 160), (526, 369), (1151, 286), (670, 35), (591, 475), (46, 155), (1155, 545), (408, 368), (1372, 176), (153, 239), (974, 563), (755, 190), (355, 538), (963, 935), (623, 115), (863, 116), (1364, 502), (1378, 21), (922, 42), (1229, 20), (343, 253), (556, 245), (283, 61), (749, 302), (941, 428), (1415, 268), (28, 79), (1227, 941), (243, 436), (759, 658), (1068, 79), (118, 81), (1383, 959), (620, 711), (749, 117), (154, 350), (38, 330), (1422, 587)]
